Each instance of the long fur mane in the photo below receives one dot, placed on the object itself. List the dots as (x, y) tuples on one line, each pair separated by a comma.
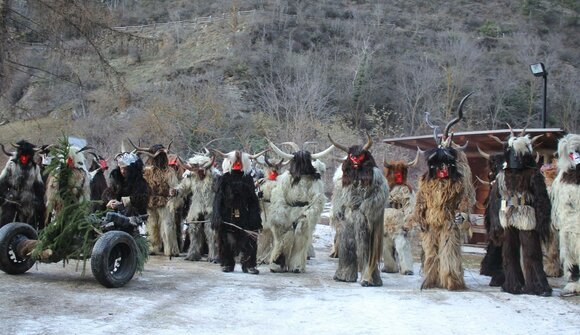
[(301, 165)]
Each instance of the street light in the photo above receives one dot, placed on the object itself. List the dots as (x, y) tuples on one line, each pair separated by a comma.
[(539, 70)]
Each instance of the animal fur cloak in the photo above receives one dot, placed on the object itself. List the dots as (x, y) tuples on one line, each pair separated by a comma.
[(525, 216), (199, 182), (566, 209), (22, 188), (131, 189)]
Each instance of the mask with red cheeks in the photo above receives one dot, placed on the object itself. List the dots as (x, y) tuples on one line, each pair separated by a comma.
[(356, 159), (273, 175), (70, 162), (237, 166), (398, 177), (103, 164), (23, 159), (442, 172)]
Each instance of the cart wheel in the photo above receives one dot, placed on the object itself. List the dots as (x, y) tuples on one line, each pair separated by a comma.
[(10, 236), (114, 258)]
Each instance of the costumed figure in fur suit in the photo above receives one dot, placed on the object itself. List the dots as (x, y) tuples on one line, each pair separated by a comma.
[(296, 205), (551, 247), (22, 188), (362, 191), (525, 217), (199, 181), (128, 192), (566, 209), (162, 181), (441, 196), (265, 187), (236, 213), (492, 262), (397, 254)]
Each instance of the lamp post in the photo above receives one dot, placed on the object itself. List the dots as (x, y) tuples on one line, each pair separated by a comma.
[(539, 70)]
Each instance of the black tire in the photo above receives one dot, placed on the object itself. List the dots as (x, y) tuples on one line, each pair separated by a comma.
[(10, 235), (114, 259)]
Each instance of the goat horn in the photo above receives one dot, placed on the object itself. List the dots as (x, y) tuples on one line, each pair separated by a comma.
[(15, 145), (459, 115), (432, 126), (169, 146), (219, 152), (462, 147), (369, 143), (206, 151), (279, 151), (535, 138), (482, 181), (259, 154), (495, 138), (537, 157), (136, 147), (294, 146), (414, 162), (483, 153), (340, 146), (511, 130), (523, 133), (86, 147), (322, 153), (5, 152)]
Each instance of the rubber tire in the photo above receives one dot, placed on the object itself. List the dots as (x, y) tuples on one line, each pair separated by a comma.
[(106, 252), (8, 234)]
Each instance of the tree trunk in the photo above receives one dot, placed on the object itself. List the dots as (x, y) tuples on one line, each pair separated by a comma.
[(4, 13)]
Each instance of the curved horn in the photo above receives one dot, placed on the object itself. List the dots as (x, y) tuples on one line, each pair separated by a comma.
[(86, 147), (511, 130), (537, 157), (461, 147), (210, 164), (136, 147), (169, 146), (341, 147), (421, 152), (459, 115), (535, 138), (322, 153), (432, 126), (369, 143), (15, 145), (279, 151), (219, 153), (495, 138), (482, 181), (259, 154), (483, 153), (206, 151), (5, 152), (414, 162), (293, 145)]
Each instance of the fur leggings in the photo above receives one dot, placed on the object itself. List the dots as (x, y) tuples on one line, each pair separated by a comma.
[(442, 266), (570, 255), (532, 280), (397, 255), (161, 231)]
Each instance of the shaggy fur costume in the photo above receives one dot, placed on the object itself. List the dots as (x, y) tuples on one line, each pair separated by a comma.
[(266, 239), (525, 216), (551, 247), (362, 192), (200, 184), (441, 195), (22, 189), (566, 210), (296, 206), (397, 254), (160, 223), (236, 203), (491, 265)]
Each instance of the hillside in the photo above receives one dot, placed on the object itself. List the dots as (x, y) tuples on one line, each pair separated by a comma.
[(290, 70)]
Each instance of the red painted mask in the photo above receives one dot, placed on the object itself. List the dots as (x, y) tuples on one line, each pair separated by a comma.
[(70, 163), (442, 172), (398, 177), (273, 175), (23, 159), (237, 166), (103, 164), (356, 160)]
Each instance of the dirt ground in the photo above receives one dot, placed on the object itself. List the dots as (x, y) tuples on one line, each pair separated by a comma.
[(177, 296)]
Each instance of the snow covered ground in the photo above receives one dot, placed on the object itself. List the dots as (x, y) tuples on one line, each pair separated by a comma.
[(176, 296)]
